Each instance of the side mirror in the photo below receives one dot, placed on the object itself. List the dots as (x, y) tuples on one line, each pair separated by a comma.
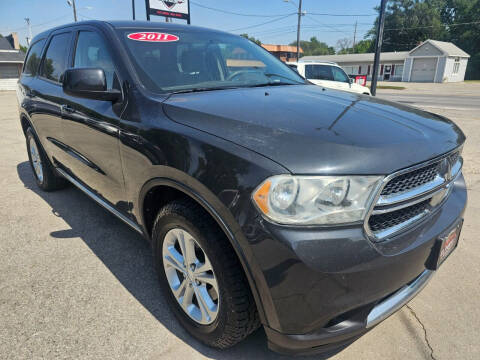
[(88, 83)]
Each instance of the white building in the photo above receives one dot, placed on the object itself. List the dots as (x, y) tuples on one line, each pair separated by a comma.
[(431, 61), (11, 61)]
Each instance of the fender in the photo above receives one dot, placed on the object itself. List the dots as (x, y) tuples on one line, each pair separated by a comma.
[(228, 228)]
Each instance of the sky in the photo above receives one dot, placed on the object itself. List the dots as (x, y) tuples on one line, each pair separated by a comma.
[(265, 25)]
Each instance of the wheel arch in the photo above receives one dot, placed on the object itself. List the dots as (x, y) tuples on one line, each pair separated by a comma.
[(179, 187)]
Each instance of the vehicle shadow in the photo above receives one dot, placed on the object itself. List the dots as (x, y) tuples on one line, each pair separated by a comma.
[(128, 256)]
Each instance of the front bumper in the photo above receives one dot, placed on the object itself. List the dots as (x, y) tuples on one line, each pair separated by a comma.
[(349, 330), (324, 288)]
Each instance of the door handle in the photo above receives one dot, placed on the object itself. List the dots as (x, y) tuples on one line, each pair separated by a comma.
[(67, 109)]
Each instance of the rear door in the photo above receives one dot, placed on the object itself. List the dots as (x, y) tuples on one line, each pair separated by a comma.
[(91, 127), (46, 90)]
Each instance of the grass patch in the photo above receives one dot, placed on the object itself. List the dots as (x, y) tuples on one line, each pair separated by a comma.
[(392, 87), (473, 81)]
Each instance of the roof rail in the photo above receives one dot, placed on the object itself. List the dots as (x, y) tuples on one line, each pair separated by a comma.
[(318, 61)]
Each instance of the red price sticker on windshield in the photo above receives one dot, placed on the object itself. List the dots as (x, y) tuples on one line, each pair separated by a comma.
[(153, 37)]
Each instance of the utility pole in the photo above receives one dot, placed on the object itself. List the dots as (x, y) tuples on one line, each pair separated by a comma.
[(147, 7), (378, 47), (29, 37), (298, 28), (354, 38), (133, 9)]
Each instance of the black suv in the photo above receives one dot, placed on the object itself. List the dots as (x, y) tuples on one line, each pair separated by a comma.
[(267, 200)]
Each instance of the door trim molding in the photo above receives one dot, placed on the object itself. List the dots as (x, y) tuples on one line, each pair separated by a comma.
[(100, 201)]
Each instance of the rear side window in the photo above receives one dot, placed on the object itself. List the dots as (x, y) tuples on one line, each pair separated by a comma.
[(33, 58), (318, 72), (91, 52), (55, 61)]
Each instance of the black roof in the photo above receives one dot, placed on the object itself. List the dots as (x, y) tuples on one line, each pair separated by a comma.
[(8, 53), (118, 24), (5, 44)]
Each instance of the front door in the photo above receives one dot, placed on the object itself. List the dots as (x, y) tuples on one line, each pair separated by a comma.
[(90, 127), (387, 71)]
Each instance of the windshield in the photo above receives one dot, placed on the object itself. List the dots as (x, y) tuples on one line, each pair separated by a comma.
[(181, 60)]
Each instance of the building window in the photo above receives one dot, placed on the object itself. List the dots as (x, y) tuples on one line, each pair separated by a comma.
[(456, 65), (399, 70), (359, 69), (368, 71), (349, 70)]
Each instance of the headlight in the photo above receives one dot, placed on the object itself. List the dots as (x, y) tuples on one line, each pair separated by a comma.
[(316, 200)]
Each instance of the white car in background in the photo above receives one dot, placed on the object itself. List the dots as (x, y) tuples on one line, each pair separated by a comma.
[(329, 75)]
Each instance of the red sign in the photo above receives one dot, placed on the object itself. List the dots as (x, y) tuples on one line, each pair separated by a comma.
[(153, 37), (361, 80)]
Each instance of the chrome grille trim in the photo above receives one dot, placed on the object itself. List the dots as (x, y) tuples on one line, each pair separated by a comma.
[(440, 187)]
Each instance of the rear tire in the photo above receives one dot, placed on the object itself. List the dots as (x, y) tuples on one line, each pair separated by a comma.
[(43, 171), (236, 315)]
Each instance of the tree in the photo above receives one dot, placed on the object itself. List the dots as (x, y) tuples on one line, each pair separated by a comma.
[(256, 41), (361, 47), (23, 48), (314, 47), (343, 45), (410, 22), (364, 46), (467, 36)]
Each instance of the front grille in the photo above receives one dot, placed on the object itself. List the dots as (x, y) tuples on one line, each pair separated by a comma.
[(411, 180), (407, 196), (380, 222)]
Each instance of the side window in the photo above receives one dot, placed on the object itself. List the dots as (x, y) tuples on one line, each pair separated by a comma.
[(33, 58), (55, 61), (339, 75), (91, 52), (318, 72)]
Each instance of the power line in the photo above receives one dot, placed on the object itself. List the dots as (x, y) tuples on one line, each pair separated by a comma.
[(36, 25), (329, 26), (355, 15), (431, 26), (261, 24), (236, 13)]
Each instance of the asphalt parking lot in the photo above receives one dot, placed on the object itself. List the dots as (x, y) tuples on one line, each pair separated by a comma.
[(75, 282)]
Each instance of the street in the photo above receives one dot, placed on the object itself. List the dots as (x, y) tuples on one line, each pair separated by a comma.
[(76, 282), (448, 96)]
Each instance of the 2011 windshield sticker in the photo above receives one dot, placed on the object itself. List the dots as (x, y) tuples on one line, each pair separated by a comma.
[(153, 37)]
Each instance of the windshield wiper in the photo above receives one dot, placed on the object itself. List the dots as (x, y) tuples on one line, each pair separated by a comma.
[(270, 75), (202, 89), (274, 83)]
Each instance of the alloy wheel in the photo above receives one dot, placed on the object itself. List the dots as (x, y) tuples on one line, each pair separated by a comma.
[(190, 276), (36, 160)]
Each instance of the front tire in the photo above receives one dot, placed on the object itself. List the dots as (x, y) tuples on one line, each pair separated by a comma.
[(201, 276), (43, 171)]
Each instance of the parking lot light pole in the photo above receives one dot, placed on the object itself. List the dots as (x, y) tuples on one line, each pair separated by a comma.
[(378, 48), (72, 4)]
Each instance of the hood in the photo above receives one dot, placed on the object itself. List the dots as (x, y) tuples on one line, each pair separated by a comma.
[(310, 130)]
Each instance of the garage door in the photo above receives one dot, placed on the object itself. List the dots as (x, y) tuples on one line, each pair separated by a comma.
[(424, 70), (8, 71)]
